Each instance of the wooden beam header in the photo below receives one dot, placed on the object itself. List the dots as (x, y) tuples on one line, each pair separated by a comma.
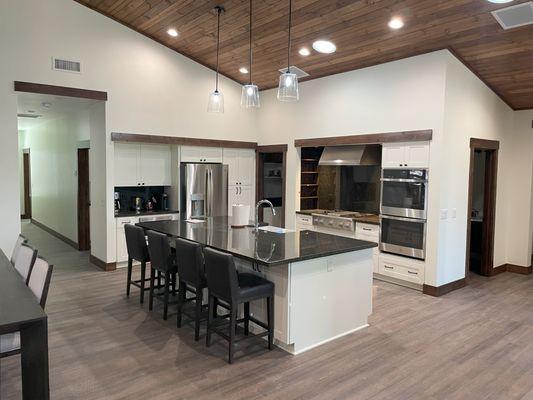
[(156, 139), (375, 138), (29, 87)]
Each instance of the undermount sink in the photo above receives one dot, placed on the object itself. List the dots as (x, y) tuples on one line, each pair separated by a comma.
[(274, 229)]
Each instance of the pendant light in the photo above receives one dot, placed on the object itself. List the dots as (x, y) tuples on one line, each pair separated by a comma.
[(250, 92), (216, 99), (288, 82)]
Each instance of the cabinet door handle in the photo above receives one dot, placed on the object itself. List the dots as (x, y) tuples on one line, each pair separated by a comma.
[(367, 229), (412, 272), (387, 267), (240, 190)]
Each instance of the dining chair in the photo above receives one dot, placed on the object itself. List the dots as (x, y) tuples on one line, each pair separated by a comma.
[(24, 261), (20, 241), (39, 284), (138, 251)]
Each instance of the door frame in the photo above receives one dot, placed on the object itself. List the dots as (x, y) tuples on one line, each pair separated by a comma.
[(489, 204), (84, 200), (26, 173), (274, 148)]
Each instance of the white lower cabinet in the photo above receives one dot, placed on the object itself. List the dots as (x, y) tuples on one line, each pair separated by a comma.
[(402, 268), (240, 194), (370, 233), (121, 247)]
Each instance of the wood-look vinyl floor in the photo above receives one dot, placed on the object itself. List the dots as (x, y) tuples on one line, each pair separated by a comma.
[(475, 343)]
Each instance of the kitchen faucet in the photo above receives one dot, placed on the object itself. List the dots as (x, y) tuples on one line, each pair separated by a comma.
[(259, 203)]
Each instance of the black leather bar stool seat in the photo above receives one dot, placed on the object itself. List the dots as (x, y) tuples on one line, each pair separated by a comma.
[(138, 251), (226, 284), (162, 260), (191, 275)]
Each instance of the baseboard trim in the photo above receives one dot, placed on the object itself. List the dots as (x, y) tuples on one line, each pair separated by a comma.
[(437, 291), (107, 267), (515, 269), (498, 270), (55, 233)]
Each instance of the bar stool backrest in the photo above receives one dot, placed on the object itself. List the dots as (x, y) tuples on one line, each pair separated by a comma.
[(24, 261), (136, 243), (221, 275), (159, 250), (20, 241), (40, 277), (190, 261)]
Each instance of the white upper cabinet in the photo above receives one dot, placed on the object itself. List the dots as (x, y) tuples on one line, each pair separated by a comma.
[(241, 166), (155, 165), (127, 164), (200, 154), (406, 155), (142, 164)]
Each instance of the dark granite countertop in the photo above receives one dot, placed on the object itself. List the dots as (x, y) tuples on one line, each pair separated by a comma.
[(144, 213), (369, 219), (264, 248)]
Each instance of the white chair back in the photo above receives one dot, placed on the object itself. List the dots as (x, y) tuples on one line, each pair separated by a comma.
[(39, 282), (20, 240), (24, 261)]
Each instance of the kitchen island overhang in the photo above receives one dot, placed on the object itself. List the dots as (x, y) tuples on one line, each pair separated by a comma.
[(323, 283)]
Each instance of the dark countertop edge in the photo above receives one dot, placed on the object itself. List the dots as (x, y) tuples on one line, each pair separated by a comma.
[(366, 246), (144, 213), (363, 220)]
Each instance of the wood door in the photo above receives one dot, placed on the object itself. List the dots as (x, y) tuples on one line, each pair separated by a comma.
[(27, 185), (84, 201), (490, 147)]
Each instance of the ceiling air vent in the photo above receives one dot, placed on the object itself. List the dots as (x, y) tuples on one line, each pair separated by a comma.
[(59, 64), (515, 16), (295, 70)]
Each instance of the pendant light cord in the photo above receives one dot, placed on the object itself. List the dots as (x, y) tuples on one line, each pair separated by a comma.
[(219, 11), (251, 42), (289, 46)]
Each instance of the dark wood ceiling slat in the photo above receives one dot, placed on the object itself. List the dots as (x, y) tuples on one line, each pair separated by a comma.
[(502, 59)]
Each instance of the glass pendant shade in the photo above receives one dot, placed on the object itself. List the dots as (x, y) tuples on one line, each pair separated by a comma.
[(288, 87), (250, 96), (216, 102)]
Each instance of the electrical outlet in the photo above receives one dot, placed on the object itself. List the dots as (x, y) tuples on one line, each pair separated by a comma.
[(444, 214)]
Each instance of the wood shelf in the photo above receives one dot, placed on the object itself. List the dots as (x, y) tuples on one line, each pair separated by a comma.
[(309, 184), (309, 172), (309, 198), (310, 159)]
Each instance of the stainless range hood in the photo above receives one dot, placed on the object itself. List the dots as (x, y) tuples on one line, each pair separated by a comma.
[(351, 155)]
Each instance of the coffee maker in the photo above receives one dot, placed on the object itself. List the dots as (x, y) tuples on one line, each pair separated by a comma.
[(117, 203)]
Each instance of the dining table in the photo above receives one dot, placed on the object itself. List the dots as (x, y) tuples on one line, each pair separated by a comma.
[(21, 312)]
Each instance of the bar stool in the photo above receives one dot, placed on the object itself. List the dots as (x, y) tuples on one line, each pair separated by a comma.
[(226, 284), (138, 251), (161, 260), (191, 275)]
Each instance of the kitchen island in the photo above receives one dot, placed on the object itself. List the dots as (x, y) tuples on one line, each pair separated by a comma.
[(323, 283)]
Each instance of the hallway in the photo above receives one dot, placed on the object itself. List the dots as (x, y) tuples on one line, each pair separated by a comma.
[(474, 343)]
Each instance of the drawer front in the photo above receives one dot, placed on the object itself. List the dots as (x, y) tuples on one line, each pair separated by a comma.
[(367, 237), (304, 219), (125, 221), (406, 273), (367, 229)]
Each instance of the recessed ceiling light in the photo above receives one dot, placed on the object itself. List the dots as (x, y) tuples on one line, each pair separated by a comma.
[(46, 105), (304, 51), (500, 1), (243, 70), (396, 23), (324, 46), (172, 32)]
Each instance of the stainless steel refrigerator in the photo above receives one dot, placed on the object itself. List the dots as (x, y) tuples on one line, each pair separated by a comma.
[(204, 190)]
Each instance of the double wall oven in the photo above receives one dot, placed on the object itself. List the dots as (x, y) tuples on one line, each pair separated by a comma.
[(404, 211)]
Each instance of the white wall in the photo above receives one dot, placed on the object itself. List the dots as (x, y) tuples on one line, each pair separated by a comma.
[(472, 110), (53, 148), (152, 89), (400, 96), (21, 170)]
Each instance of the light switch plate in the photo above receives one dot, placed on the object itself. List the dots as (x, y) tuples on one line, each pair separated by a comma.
[(444, 214), (453, 213)]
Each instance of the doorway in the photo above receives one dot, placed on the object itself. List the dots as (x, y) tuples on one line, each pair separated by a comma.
[(482, 206), (26, 172), (271, 174), (84, 232)]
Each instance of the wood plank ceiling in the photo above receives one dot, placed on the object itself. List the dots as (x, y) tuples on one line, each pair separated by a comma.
[(502, 59)]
